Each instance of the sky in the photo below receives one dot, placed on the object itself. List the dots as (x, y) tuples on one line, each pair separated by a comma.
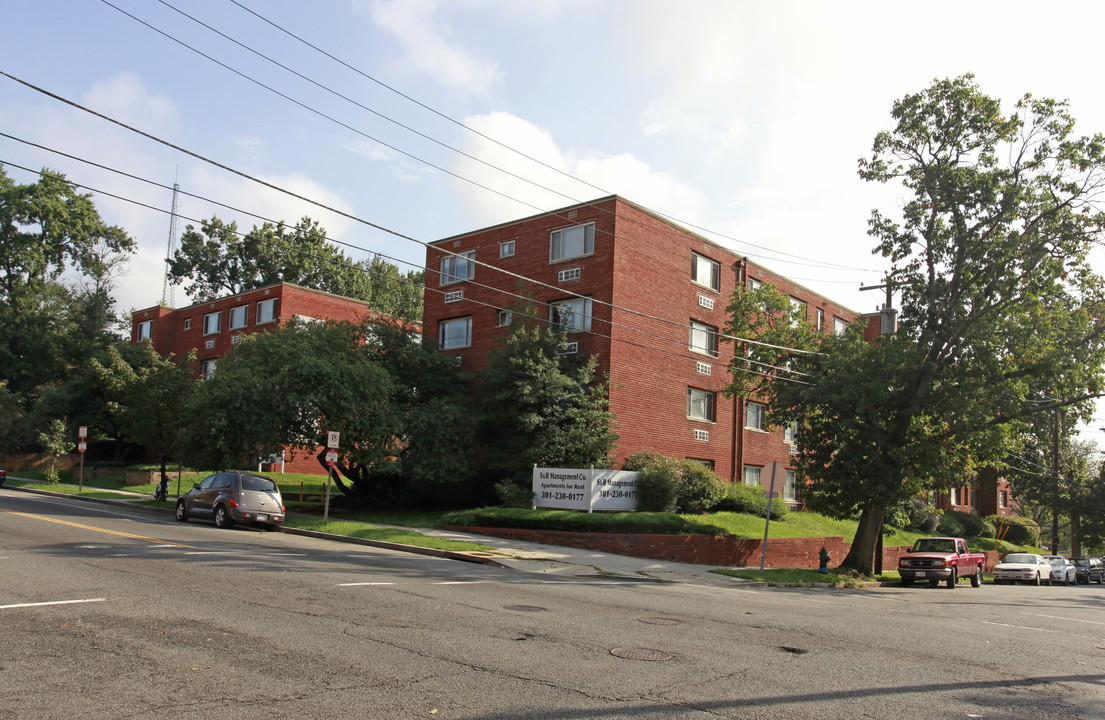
[(417, 120)]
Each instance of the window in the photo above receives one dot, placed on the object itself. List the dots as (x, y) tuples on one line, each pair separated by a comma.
[(571, 274), (505, 318), (207, 368), (752, 475), (1003, 499), (973, 495), (703, 338), (266, 311), (571, 315), (790, 488), (755, 416), (839, 326), (455, 268), (705, 463), (798, 311), (701, 404), (820, 319), (790, 433), (238, 317), (572, 242), (145, 330), (705, 271), (187, 323), (455, 333), (211, 323), (506, 249), (754, 284), (953, 496), (454, 296)]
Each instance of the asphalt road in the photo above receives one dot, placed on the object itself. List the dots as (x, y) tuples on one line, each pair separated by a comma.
[(112, 613)]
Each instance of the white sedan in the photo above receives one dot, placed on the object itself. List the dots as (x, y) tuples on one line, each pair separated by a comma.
[(1023, 567), (1062, 570)]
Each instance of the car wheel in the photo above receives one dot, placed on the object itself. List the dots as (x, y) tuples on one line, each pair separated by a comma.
[(1069, 581), (1098, 580), (1039, 580), (976, 579), (181, 513), (222, 517), (953, 579)]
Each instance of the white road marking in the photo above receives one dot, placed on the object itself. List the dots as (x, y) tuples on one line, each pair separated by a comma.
[(54, 602), (1058, 617), (364, 583)]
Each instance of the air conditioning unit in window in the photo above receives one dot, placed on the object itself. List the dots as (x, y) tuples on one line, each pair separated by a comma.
[(234, 339), (702, 435)]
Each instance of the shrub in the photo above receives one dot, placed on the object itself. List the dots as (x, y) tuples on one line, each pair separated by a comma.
[(641, 459), (1017, 530), (511, 494), (960, 524), (698, 488), (917, 513), (749, 499), (656, 487)]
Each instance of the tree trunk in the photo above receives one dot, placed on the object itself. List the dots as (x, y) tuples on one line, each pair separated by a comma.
[(1075, 534), (861, 556)]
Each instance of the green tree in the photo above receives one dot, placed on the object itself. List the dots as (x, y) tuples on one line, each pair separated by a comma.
[(46, 229), (999, 306), (217, 259), (55, 442), (541, 406)]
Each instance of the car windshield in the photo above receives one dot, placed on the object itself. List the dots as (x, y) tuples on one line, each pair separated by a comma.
[(1015, 558), (934, 545), (1057, 562), (255, 482)]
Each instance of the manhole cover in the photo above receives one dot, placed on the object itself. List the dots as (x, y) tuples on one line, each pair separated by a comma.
[(661, 621), (640, 654), (526, 608)]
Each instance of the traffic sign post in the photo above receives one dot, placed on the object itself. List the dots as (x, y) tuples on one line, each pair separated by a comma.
[(82, 433), (332, 440), (770, 495)]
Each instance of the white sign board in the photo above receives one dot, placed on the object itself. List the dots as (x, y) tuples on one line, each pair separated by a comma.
[(82, 431), (333, 439), (579, 489)]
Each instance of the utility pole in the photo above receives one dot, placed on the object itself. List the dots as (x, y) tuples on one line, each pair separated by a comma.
[(889, 325), (1057, 422)]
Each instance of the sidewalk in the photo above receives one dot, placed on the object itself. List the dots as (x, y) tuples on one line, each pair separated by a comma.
[(514, 554)]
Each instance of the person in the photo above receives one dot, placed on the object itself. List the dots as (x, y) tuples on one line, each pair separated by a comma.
[(162, 491)]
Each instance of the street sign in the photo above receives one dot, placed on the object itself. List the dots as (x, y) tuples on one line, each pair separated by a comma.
[(333, 439), (82, 431), (82, 446), (331, 458)]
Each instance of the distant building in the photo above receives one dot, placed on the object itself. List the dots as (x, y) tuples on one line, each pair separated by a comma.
[(212, 328)]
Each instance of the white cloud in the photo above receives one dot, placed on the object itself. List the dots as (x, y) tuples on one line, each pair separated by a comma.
[(430, 47), (125, 98)]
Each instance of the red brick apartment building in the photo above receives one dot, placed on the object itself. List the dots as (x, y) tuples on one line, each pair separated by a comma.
[(648, 298), (212, 328)]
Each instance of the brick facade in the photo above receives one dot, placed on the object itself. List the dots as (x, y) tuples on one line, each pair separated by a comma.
[(638, 279), (177, 332)]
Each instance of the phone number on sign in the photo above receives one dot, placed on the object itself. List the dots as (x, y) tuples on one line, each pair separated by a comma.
[(617, 493), (561, 496)]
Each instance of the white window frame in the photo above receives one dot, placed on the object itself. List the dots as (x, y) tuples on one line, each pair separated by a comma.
[(208, 368), (145, 330), (790, 432), (703, 338), (791, 492), (755, 416), (701, 404), (504, 318), (705, 271), (953, 496), (212, 323), (266, 311), (820, 319), (752, 475), (506, 249), (754, 284), (239, 317), (572, 315), (565, 245), (458, 268), (449, 338), (1003, 498), (840, 326), (799, 309), (187, 323)]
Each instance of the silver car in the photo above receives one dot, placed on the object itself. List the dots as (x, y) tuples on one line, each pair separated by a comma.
[(1062, 570), (233, 497)]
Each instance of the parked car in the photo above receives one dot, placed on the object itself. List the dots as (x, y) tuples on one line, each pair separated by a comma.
[(941, 559), (233, 497), (1062, 570), (1023, 567), (1088, 570), (3, 476)]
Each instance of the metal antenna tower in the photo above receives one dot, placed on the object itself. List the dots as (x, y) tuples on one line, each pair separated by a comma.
[(174, 222)]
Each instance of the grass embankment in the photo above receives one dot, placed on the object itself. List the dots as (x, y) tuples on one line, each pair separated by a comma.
[(373, 524)]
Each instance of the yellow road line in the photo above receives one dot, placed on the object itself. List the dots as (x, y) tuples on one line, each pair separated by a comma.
[(103, 530)]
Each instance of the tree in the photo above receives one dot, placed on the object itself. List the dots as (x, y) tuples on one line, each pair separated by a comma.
[(540, 406), (219, 260), (47, 228), (55, 443), (1001, 315)]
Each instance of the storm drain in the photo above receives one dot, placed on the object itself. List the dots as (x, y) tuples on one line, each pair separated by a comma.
[(661, 621), (525, 608), (640, 654)]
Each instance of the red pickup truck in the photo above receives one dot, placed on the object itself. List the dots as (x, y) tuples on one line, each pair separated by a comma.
[(941, 558)]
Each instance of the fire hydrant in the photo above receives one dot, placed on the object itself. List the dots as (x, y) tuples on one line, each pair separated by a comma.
[(824, 555)]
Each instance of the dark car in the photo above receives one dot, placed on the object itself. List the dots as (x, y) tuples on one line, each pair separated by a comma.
[(229, 498), (3, 476), (1089, 570)]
